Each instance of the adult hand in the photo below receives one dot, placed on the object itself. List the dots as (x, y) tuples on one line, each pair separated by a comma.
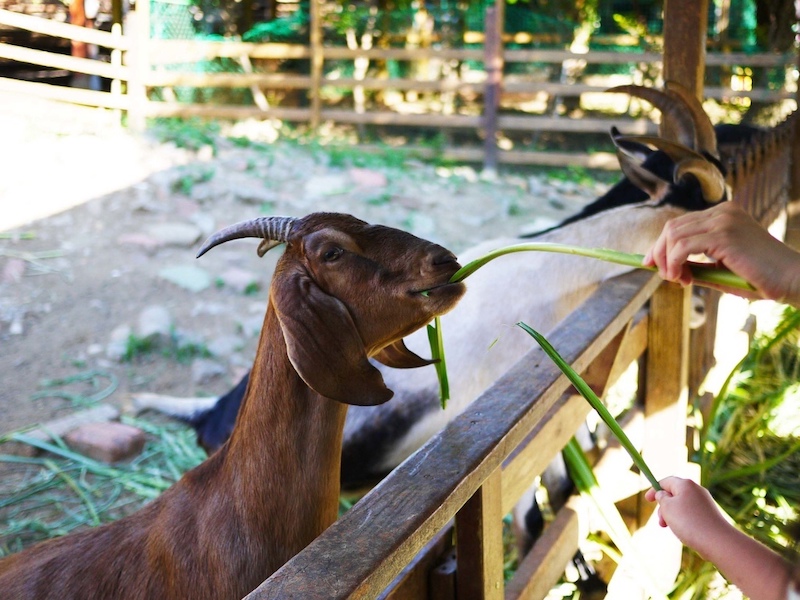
[(728, 235)]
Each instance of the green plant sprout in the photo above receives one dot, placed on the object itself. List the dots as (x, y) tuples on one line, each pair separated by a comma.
[(701, 273), (594, 401)]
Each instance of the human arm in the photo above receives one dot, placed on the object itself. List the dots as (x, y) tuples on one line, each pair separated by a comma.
[(730, 236), (691, 513)]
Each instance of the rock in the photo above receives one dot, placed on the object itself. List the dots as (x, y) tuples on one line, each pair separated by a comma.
[(174, 234), (108, 442), (204, 371), (44, 432), (13, 271), (255, 195), (251, 326), (240, 280), (154, 321), (225, 345), (319, 186), (117, 345), (188, 277), (367, 178), (139, 239)]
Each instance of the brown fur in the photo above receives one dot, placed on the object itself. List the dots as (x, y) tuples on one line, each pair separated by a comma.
[(234, 519)]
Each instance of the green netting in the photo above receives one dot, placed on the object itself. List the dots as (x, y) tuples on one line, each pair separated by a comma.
[(171, 20)]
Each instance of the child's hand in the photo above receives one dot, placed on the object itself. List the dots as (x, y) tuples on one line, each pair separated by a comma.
[(689, 511)]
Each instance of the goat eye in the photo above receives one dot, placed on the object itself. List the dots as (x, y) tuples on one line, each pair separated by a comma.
[(332, 254)]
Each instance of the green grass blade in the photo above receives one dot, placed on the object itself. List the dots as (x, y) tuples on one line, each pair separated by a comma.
[(437, 354), (595, 402), (702, 274), (582, 475)]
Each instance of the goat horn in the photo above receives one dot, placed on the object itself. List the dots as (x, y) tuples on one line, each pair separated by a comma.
[(705, 135), (671, 105), (674, 150), (273, 230), (712, 183)]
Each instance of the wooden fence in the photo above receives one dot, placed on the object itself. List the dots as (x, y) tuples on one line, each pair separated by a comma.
[(146, 72), (397, 541)]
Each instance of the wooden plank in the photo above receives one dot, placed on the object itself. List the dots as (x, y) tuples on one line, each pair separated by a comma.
[(593, 57), (551, 56), (229, 80), (534, 123), (161, 52), (439, 85), (63, 30), (479, 543), (62, 61), (516, 123), (413, 581), (139, 59), (493, 65), (541, 446), (542, 567), (317, 64), (596, 160), (65, 94), (176, 109), (343, 53), (760, 59), (685, 34), (666, 397), (388, 527)]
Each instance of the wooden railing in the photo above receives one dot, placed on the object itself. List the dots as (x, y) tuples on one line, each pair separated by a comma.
[(141, 65), (394, 543)]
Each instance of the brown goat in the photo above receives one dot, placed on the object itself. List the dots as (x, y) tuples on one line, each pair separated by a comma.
[(343, 291)]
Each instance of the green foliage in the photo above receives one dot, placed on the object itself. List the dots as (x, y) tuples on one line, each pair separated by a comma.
[(293, 28), (749, 450), (173, 347), (186, 182), (191, 134)]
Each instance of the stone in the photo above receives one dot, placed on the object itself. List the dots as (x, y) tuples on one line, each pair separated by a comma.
[(240, 280), (107, 442), (367, 178), (174, 234), (154, 321), (225, 345), (319, 186), (204, 371), (188, 277), (44, 432), (117, 345)]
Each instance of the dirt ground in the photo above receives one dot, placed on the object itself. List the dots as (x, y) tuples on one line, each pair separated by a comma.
[(99, 229)]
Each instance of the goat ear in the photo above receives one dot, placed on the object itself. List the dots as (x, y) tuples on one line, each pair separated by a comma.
[(398, 356), (323, 343), (650, 183)]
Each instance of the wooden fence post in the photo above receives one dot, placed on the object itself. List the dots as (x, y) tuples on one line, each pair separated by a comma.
[(139, 62), (493, 60), (479, 543), (317, 61)]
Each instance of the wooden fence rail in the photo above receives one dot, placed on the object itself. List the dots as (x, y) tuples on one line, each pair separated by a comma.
[(141, 66), (394, 543)]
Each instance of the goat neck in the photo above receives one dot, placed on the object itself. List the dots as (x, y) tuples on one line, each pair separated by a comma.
[(299, 475)]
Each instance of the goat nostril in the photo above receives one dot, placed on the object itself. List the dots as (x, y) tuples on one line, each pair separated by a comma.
[(443, 257)]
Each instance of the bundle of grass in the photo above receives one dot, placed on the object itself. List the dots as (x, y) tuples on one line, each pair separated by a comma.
[(60, 491), (750, 448)]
